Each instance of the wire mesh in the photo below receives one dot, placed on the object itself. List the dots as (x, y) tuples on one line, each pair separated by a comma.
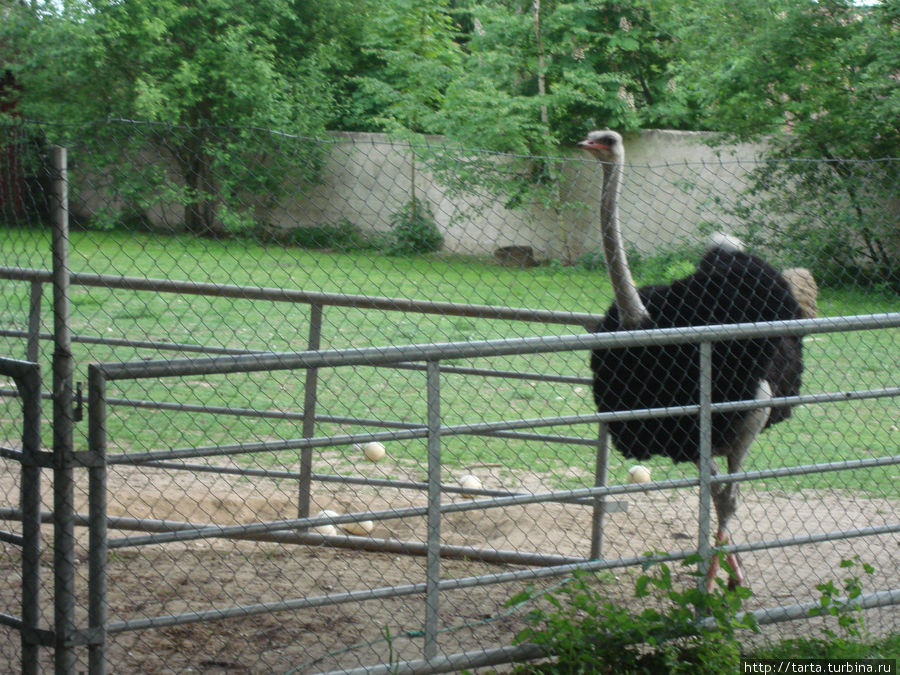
[(283, 244)]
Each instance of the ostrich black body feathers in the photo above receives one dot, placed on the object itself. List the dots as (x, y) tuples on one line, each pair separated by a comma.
[(729, 286)]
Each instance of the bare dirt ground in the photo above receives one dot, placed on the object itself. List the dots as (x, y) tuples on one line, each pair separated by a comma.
[(216, 574)]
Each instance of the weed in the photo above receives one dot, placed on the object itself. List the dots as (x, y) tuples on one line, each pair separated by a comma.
[(586, 632), (845, 610)]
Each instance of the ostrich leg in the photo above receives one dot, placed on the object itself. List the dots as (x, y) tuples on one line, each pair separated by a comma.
[(725, 495)]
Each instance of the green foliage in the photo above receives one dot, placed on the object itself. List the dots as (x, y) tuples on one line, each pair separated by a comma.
[(662, 267), (536, 76), (583, 631), (835, 217), (694, 632), (413, 230), (414, 54), (189, 70), (815, 79), (852, 640), (848, 615)]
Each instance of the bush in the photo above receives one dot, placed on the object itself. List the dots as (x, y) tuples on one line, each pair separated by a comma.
[(585, 632), (836, 218), (413, 230)]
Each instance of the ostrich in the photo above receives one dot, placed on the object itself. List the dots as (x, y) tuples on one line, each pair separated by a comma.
[(728, 286)]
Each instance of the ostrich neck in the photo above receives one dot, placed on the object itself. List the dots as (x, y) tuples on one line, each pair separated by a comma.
[(632, 313)]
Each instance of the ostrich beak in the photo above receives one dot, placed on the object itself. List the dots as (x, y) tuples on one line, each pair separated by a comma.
[(594, 145)]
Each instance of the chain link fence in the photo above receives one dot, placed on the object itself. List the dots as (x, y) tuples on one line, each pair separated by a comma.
[(340, 408)]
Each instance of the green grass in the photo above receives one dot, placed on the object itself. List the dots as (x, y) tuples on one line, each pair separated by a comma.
[(836, 362)]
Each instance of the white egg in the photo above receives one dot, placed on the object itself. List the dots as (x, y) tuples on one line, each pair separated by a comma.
[(469, 482), (639, 474), (373, 451), (360, 528), (327, 529)]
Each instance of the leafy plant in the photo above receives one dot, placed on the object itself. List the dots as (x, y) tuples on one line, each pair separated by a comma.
[(413, 230), (211, 79), (847, 613), (584, 631), (810, 77)]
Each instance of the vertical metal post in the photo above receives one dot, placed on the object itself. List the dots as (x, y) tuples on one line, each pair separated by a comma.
[(705, 463), (33, 346), (601, 475), (63, 425), (30, 390), (433, 542), (310, 395), (97, 495)]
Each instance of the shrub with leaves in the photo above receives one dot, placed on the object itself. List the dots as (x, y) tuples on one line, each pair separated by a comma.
[(844, 609), (413, 230), (584, 631)]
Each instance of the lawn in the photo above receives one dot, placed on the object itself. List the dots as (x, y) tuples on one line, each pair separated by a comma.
[(836, 362)]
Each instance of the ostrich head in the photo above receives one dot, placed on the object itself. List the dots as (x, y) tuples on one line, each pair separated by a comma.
[(604, 144), (607, 147)]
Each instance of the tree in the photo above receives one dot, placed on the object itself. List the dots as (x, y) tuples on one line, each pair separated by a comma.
[(817, 79), (538, 75), (413, 56), (210, 75)]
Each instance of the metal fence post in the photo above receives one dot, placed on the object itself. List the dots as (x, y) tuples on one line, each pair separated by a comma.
[(30, 389), (63, 421), (433, 557), (601, 475), (97, 495), (310, 394), (705, 464), (33, 345)]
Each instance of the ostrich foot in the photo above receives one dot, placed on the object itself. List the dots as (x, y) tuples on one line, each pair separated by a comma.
[(736, 578)]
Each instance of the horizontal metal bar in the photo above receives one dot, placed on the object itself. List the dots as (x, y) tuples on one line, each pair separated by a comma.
[(411, 511), (589, 493), (307, 297), (10, 620), (458, 583), (802, 610), (529, 651), (505, 374), (808, 399), (820, 538), (476, 428), (496, 347), (346, 541), (356, 480), (331, 419), (806, 469), (201, 349), (134, 344), (450, 663), (11, 453), (492, 427), (12, 538), (264, 446), (17, 368)]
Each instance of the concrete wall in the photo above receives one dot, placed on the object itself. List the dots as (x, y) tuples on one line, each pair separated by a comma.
[(673, 182)]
